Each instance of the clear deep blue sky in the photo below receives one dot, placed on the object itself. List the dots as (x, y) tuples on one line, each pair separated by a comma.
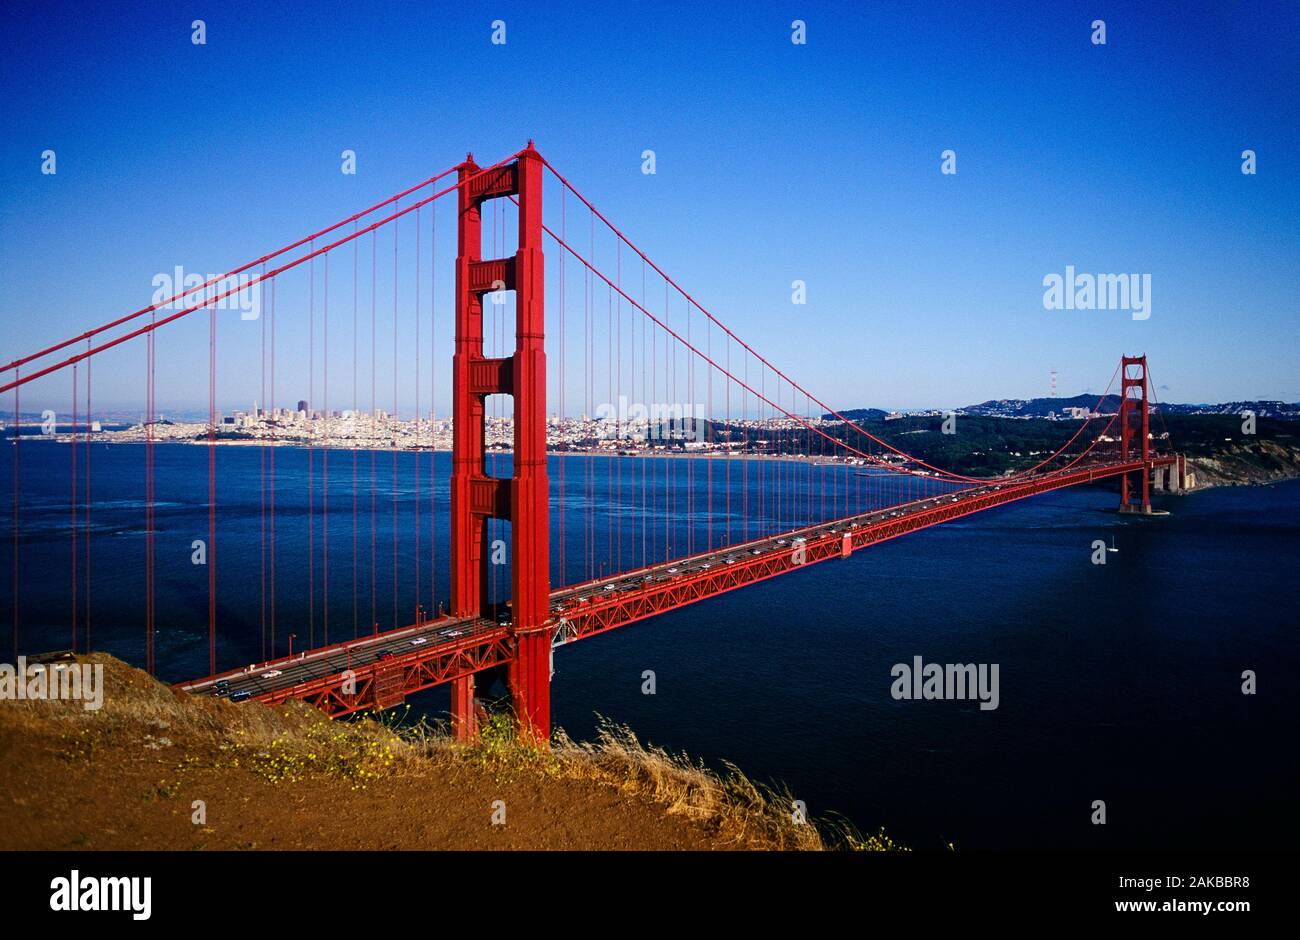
[(775, 162)]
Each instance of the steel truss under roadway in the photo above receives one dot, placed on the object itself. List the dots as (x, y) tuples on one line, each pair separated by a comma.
[(356, 676)]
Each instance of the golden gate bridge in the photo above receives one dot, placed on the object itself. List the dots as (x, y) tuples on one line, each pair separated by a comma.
[(621, 329)]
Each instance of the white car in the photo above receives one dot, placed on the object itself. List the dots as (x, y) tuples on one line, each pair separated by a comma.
[(419, 641), (272, 674)]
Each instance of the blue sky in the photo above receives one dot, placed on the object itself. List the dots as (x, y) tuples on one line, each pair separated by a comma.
[(775, 162)]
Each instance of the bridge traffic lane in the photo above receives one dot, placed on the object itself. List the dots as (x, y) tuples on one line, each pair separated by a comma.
[(353, 654), (696, 582), (277, 675), (576, 610)]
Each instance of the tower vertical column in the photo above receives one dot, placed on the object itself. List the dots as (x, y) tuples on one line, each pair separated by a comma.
[(529, 507), (468, 529), (1146, 442)]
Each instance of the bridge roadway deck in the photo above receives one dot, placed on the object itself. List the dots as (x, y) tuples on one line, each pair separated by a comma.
[(379, 670)]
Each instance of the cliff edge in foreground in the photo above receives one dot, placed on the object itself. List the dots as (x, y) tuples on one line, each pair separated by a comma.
[(159, 769)]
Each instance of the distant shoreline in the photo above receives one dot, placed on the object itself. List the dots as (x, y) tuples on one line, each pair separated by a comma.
[(1222, 468)]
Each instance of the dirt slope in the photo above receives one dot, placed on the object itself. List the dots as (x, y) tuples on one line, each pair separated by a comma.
[(127, 777)]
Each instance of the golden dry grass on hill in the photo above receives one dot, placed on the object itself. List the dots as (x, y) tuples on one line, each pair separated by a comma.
[(134, 775)]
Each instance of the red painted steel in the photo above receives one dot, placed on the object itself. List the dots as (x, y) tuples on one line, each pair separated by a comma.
[(488, 645), (463, 718), (1127, 405), (530, 494), (355, 690), (476, 497), (469, 551)]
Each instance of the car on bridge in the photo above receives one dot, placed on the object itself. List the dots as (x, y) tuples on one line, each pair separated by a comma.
[(241, 696)]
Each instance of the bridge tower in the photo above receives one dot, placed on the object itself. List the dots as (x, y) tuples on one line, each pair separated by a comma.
[(521, 499), (1133, 404)]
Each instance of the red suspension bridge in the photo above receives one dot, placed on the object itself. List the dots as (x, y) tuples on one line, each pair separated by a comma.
[(722, 473)]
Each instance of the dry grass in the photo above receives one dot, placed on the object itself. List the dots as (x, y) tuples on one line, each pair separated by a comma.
[(730, 805), (279, 744), (292, 742)]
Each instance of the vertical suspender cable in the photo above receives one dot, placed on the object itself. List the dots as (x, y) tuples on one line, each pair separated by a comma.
[(416, 439), (72, 459), (17, 489), (356, 422), (212, 489), (85, 513), (325, 451)]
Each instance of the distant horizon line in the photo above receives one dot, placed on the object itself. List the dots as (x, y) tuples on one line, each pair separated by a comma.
[(201, 411)]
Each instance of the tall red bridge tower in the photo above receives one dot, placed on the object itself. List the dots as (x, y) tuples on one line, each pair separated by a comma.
[(476, 496)]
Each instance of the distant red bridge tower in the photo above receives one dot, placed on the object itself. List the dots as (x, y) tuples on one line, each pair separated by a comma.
[(1133, 379)]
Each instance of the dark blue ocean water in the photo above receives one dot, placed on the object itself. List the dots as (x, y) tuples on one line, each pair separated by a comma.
[(1119, 682)]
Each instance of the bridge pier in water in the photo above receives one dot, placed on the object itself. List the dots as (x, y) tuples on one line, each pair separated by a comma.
[(477, 497), (1174, 477)]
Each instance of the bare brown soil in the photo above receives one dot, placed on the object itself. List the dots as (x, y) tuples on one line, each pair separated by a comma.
[(127, 777)]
